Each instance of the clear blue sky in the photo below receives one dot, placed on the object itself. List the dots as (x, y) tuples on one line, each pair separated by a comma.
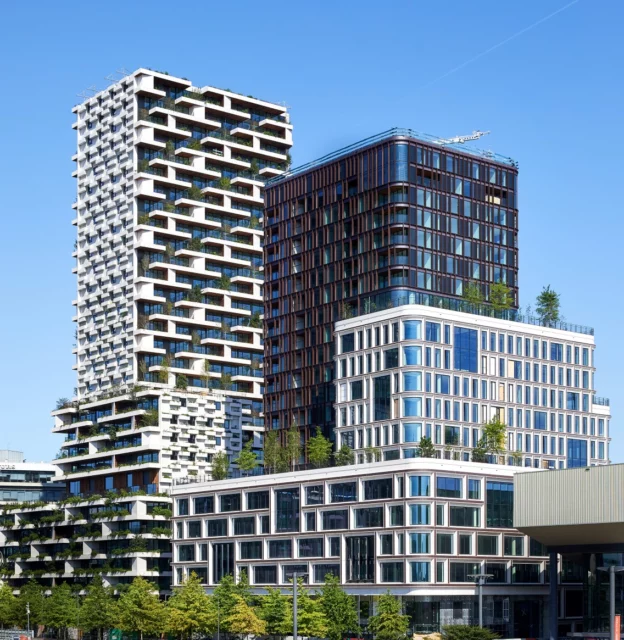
[(552, 97)]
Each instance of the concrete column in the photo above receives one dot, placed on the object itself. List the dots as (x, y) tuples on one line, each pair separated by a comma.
[(553, 601)]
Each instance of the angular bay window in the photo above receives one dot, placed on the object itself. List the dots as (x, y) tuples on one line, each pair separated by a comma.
[(448, 487), (412, 329), (465, 351), (577, 453), (419, 514), (412, 355), (499, 504), (360, 559), (222, 560), (412, 407), (419, 486), (420, 571)]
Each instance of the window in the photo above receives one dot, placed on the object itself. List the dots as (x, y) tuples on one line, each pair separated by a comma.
[(288, 571), (465, 349), (419, 485), (321, 571), (251, 550), (419, 513), (343, 492), (360, 559), (244, 526), (487, 545), (465, 545), (230, 502), (223, 560), (524, 572), (204, 504), (311, 547), (412, 355), (412, 381), (392, 572), (310, 521), (257, 500), (412, 329), (287, 510), (391, 358), (348, 342), (448, 487), (444, 543), (474, 489), (217, 528), (382, 397), (194, 529), (499, 504), (183, 507), (462, 571), (280, 548), (338, 519), (464, 516), (315, 494), (432, 332), (412, 407), (514, 546), (420, 571), (368, 517), (334, 547), (497, 571), (419, 542), (397, 516), (412, 431), (536, 548), (265, 575), (577, 453), (378, 489), (186, 553)]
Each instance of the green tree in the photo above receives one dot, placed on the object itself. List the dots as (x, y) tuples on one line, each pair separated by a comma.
[(465, 632), (494, 436), (99, 608), (275, 456), (500, 296), (339, 609), (220, 465), (206, 374), (8, 604), (247, 459), (140, 610), (60, 610), (344, 456), (276, 611), (242, 619), (319, 449), (190, 610), (426, 448), (548, 306), (243, 589), (372, 454), (311, 619), (226, 594), (293, 446), (388, 623), (473, 294), (32, 594), (181, 382)]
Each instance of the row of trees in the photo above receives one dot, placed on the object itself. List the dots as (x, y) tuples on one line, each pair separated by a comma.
[(328, 613), (547, 307)]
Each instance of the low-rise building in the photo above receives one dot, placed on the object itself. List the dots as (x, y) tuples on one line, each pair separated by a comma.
[(22, 481), (420, 527)]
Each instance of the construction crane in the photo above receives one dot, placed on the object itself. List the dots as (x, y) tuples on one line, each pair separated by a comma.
[(475, 135)]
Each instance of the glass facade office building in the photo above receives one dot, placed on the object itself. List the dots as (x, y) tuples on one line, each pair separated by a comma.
[(416, 371), (393, 216)]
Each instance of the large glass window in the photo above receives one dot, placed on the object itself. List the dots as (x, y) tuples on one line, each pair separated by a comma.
[(321, 571), (288, 571), (448, 487), (348, 342), (378, 489), (499, 504), (397, 516), (577, 453), (265, 575), (230, 502), (412, 381), (487, 545), (465, 544), (419, 485), (204, 504), (251, 550), (186, 553), (222, 560), (368, 517), (382, 397), (419, 543), (464, 516), (337, 519), (497, 571), (314, 494), (280, 549), (444, 544), (343, 492), (183, 507), (514, 545), (412, 355), (420, 571), (465, 349), (474, 489), (412, 407), (217, 528), (419, 514), (463, 571), (392, 572), (412, 431), (287, 510), (257, 500), (391, 358), (244, 526), (442, 384), (412, 329), (525, 572), (311, 547), (432, 332), (360, 559)]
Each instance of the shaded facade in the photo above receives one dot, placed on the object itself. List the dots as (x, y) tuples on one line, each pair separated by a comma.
[(392, 219)]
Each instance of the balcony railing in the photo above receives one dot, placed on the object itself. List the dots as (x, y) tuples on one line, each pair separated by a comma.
[(601, 402)]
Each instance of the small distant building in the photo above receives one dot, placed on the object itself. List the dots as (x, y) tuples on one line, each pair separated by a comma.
[(22, 481)]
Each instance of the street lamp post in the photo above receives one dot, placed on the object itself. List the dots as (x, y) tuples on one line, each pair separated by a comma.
[(480, 579), (295, 576), (613, 569), (28, 617)]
